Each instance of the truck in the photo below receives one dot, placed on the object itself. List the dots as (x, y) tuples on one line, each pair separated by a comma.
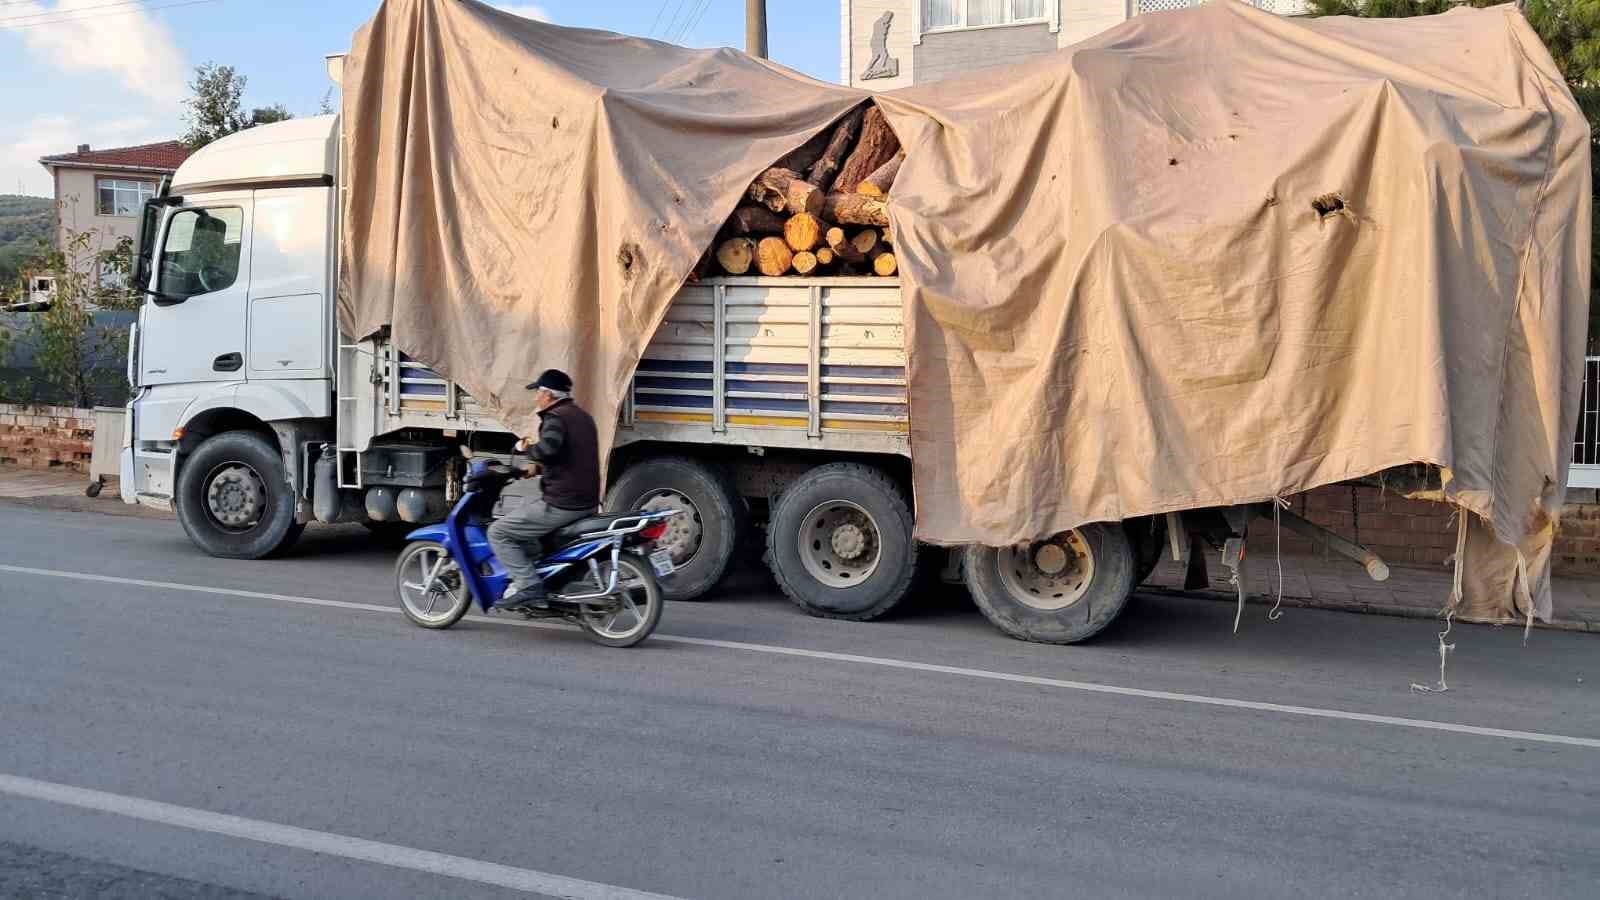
[(772, 401)]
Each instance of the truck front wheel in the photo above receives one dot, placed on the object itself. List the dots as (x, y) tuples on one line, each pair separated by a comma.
[(839, 542), (1061, 590), (233, 498)]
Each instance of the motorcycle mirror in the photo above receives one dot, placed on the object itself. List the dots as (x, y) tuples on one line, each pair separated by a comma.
[(466, 451)]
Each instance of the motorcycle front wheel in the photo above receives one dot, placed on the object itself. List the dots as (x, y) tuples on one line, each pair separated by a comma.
[(630, 615), (432, 592)]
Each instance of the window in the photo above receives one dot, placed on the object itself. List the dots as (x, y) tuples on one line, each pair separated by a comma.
[(201, 255), (976, 13), (121, 197)]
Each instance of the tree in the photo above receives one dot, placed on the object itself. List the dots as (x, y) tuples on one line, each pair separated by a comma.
[(215, 108), (1570, 30), (79, 359)]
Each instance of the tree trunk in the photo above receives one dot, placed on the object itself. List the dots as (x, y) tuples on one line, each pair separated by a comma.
[(844, 136), (755, 220), (773, 256), (805, 262), (841, 246), (735, 255), (825, 256), (878, 183), (782, 189), (803, 157), (803, 231), (865, 242), (877, 146), (885, 264), (855, 209)]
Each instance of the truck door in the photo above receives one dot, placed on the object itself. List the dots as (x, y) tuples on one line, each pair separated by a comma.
[(194, 326)]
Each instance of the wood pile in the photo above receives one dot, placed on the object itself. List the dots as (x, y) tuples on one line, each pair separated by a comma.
[(821, 210)]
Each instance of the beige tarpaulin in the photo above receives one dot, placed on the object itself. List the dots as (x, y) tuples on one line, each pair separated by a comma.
[(1206, 257)]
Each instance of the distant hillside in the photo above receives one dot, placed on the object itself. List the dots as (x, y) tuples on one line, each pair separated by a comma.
[(25, 223)]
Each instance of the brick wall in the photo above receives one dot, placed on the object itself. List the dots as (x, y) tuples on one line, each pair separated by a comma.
[(46, 437), (1419, 532)]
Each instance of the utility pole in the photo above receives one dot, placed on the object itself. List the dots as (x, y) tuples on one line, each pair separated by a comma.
[(755, 28)]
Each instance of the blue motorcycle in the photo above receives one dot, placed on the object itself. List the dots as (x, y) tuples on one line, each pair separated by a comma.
[(601, 575)]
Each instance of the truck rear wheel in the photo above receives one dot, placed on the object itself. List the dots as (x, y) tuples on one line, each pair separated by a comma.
[(234, 500), (839, 542), (1061, 590), (703, 539)]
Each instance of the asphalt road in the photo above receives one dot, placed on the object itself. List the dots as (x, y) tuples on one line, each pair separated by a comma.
[(241, 741)]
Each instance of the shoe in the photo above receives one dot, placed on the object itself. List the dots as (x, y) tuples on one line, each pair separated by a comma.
[(531, 597)]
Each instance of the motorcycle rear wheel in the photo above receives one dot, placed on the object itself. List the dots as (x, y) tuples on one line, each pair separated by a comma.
[(634, 613), (444, 602)]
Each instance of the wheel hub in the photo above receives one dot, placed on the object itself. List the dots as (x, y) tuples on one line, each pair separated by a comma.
[(684, 531), (839, 544), (1048, 575), (849, 541), (1050, 558), (235, 496)]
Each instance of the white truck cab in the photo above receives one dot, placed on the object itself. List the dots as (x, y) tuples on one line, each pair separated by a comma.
[(236, 334)]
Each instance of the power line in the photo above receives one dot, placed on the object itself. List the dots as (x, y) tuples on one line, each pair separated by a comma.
[(126, 12), (58, 11), (673, 22), (693, 21), (657, 20)]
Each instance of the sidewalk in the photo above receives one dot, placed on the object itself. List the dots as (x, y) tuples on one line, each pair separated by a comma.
[(64, 490), (1337, 584)]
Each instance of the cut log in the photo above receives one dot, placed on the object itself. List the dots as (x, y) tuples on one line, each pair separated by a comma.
[(803, 231), (735, 255), (755, 220), (805, 262), (877, 146), (885, 264), (839, 146), (783, 189), (824, 256), (878, 183), (865, 241), (855, 209), (803, 157), (773, 256), (840, 245)]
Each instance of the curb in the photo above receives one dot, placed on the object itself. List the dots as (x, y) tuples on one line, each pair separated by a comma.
[(1357, 606)]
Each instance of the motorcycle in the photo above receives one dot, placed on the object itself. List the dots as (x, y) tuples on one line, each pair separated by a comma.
[(601, 576)]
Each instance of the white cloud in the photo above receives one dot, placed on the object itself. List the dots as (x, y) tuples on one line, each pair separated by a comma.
[(128, 43), (51, 134), (525, 10)]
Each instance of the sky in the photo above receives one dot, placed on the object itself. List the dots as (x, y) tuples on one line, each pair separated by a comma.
[(110, 73)]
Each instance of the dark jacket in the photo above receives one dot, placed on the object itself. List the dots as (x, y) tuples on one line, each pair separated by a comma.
[(569, 450)]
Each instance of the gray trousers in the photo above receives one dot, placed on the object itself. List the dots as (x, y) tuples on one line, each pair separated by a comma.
[(515, 537)]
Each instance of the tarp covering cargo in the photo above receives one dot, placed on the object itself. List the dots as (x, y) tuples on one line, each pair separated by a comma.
[(1206, 257)]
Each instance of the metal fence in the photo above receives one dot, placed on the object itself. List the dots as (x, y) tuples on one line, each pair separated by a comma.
[(1585, 471)]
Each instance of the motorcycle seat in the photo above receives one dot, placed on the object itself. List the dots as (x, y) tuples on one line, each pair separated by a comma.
[(568, 533)]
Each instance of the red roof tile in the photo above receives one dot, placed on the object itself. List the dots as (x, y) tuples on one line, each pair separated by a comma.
[(166, 155)]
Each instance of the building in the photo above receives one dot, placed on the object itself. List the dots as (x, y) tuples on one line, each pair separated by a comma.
[(892, 43), (102, 191)]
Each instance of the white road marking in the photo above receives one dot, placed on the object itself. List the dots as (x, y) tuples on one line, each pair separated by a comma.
[(886, 663), (323, 842)]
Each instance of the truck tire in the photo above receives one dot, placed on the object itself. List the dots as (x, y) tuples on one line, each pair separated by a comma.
[(839, 542), (702, 540), (234, 500), (1057, 591), (1148, 537)]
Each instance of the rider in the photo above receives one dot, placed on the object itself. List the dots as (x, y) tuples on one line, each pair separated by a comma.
[(569, 451)]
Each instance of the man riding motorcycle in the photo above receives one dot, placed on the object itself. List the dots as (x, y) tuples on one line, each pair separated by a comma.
[(568, 449)]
